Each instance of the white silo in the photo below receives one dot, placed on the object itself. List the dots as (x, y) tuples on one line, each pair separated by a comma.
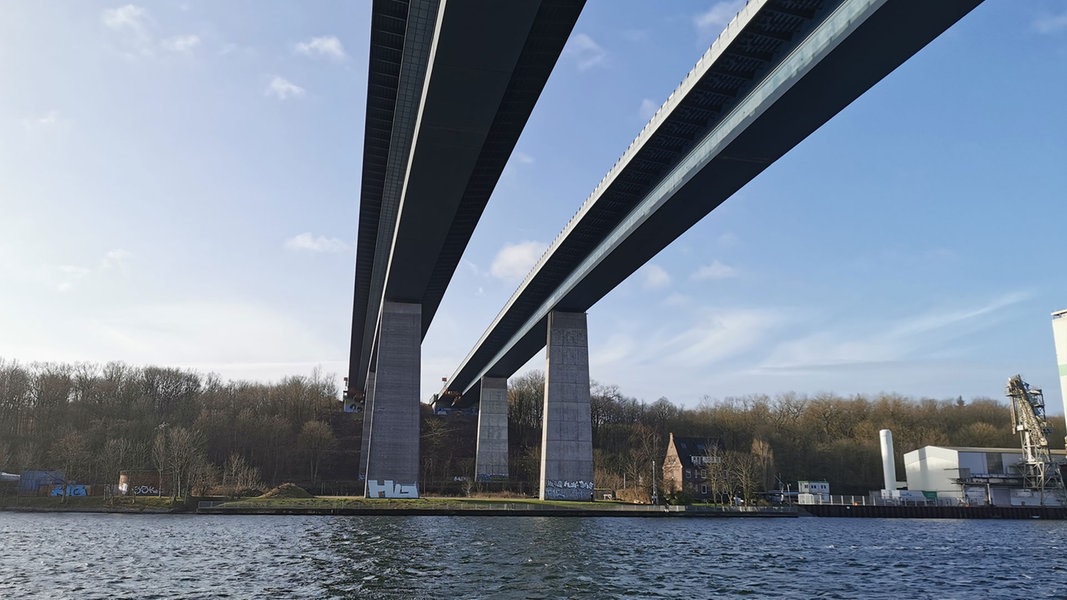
[(1059, 334), (889, 464)]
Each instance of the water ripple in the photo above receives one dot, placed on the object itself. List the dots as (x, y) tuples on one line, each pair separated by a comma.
[(169, 556)]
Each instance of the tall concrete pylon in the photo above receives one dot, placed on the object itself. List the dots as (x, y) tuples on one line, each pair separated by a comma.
[(491, 462), (567, 432), (393, 445)]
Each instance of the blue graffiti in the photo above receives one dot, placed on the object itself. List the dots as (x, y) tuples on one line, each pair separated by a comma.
[(72, 490)]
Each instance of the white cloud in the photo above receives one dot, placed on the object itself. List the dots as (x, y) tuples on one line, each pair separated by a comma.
[(283, 89), (310, 243), (938, 320), (882, 341), (66, 277), (235, 50), (48, 120), (619, 347), (322, 47), (648, 109), (586, 52), (514, 261), (129, 17), (133, 23), (518, 160), (728, 240), (209, 334), (716, 270), (71, 274), (833, 348), (678, 300), (136, 25), (654, 277), (1050, 23), (717, 336), (182, 44), (115, 259), (715, 19)]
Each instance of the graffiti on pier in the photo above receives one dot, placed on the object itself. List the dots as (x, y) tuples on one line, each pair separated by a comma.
[(570, 485), (560, 489), (388, 489), (71, 490)]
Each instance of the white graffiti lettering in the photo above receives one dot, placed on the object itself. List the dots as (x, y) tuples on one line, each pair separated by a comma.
[(388, 489), (573, 485), (145, 490)]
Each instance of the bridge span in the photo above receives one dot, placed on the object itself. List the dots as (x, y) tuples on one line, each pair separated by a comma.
[(779, 71), (451, 84)]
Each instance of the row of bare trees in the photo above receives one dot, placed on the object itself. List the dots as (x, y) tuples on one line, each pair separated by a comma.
[(198, 434), (765, 439), (195, 432)]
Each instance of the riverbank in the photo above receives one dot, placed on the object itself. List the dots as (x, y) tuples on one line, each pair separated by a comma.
[(504, 507), (348, 505), (94, 504), (483, 507), (936, 512)]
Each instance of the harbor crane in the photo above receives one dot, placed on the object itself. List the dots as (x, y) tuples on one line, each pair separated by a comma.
[(1028, 418)]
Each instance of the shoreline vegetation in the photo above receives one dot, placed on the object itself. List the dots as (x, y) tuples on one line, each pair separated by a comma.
[(179, 433), (354, 505)]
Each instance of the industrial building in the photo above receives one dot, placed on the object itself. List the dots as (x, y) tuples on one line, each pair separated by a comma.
[(1059, 335), (1031, 475), (978, 476)]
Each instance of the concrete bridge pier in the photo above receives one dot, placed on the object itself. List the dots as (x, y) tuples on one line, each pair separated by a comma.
[(491, 462), (368, 411), (393, 445), (567, 433)]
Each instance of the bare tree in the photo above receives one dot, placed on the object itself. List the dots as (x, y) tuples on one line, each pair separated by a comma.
[(114, 458), (5, 455), (601, 400), (526, 399), (160, 455), (316, 439), (716, 468), (202, 477), (745, 471), (71, 452), (764, 455), (185, 448), (644, 452), (239, 476)]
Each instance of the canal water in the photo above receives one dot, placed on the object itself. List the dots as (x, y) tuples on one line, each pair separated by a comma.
[(69, 555)]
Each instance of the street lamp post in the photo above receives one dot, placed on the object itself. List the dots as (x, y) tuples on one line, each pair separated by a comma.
[(654, 499)]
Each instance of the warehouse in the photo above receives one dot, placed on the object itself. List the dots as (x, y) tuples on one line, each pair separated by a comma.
[(978, 476)]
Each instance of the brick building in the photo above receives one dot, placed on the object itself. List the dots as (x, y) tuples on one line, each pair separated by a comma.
[(687, 464)]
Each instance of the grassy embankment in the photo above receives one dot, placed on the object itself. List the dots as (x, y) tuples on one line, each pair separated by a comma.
[(284, 498), (355, 503), (92, 503)]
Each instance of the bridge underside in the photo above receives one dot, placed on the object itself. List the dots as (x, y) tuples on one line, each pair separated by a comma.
[(679, 170), (452, 85), (438, 137)]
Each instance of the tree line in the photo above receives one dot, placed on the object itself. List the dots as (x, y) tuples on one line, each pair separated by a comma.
[(200, 435), (763, 441), (196, 432)]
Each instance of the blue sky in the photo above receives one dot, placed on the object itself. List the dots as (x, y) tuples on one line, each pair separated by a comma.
[(179, 186)]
